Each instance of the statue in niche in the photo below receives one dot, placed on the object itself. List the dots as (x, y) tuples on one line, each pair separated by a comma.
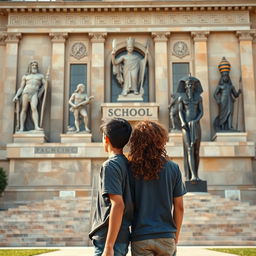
[(32, 93), (174, 113), (225, 95), (78, 102), (190, 113), (129, 69)]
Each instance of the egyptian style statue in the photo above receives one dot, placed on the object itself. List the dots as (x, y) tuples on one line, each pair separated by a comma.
[(31, 97), (78, 102), (174, 113), (225, 95), (190, 113), (129, 69)]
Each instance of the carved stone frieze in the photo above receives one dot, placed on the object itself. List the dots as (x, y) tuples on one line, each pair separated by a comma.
[(78, 50), (13, 37), (246, 35), (58, 37), (238, 18), (98, 37), (200, 35), (180, 49), (160, 36)]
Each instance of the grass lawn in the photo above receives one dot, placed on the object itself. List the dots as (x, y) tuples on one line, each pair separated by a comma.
[(26, 252), (236, 251)]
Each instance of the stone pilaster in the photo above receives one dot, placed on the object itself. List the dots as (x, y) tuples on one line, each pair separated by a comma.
[(97, 88), (3, 36), (57, 85), (201, 72), (9, 84), (248, 81), (161, 75)]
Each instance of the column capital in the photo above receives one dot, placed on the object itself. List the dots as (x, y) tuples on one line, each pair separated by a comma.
[(58, 37), (98, 37), (3, 36), (200, 36), (160, 36), (246, 35), (13, 37)]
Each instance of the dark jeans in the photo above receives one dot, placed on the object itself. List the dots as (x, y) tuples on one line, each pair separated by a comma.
[(120, 249)]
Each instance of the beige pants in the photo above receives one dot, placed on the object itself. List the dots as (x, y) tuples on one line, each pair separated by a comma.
[(154, 247)]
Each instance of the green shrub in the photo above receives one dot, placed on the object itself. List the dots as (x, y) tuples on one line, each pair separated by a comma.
[(3, 180)]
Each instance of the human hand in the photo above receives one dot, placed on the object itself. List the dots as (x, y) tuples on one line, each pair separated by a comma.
[(239, 91), (15, 99)]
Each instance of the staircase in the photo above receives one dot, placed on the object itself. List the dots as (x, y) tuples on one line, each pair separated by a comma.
[(56, 222), (212, 220), (208, 220)]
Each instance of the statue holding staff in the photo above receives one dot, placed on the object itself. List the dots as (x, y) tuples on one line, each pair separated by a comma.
[(190, 113), (32, 88), (225, 95), (129, 69)]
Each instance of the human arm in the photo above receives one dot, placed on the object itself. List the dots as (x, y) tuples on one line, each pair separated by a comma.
[(20, 90), (235, 92), (86, 101), (216, 94), (115, 220), (200, 110), (178, 212), (71, 101), (181, 116), (42, 88)]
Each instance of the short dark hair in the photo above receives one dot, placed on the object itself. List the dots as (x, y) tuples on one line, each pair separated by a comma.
[(118, 130)]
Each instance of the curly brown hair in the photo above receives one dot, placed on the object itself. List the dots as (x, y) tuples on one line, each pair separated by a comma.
[(147, 150)]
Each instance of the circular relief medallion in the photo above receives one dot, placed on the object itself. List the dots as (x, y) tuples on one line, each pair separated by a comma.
[(78, 50), (180, 49)]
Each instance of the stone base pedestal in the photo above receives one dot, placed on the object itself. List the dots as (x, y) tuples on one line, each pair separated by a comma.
[(175, 137), (130, 97), (230, 137), (29, 137), (196, 186), (76, 138)]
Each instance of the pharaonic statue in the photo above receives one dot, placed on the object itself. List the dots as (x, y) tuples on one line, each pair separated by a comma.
[(78, 102), (190, 113), (31, 97), (174, 113), (225, 95), (129, 69)]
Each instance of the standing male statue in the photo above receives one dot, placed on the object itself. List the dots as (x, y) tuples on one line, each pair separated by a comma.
[(78, 102), (30, 92), (225, 95), (174, 113), (129, 69), (190, 113)]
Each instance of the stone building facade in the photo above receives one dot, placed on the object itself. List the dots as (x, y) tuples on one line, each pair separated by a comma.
[(74, 41)]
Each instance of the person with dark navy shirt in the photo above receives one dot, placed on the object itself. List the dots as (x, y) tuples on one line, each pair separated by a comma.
[(157, 191), (114, 210)]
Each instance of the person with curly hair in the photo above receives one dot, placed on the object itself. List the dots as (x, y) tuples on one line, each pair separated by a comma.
[(157, 191)]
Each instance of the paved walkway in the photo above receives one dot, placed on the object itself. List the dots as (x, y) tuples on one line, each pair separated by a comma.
[(88, 251)]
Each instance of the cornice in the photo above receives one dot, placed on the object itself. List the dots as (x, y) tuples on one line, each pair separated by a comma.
[(126, 6)]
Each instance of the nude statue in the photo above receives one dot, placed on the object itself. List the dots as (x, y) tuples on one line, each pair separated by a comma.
[(78, 102), (129, 69), (190, 113), (31, 90)]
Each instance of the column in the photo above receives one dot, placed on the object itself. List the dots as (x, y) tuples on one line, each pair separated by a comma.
[(9, 86), (248, 81), (57, 83), (201, 72), (97, 88), (161, 75)]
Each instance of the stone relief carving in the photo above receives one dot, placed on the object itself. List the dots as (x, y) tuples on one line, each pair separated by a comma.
[(180, 49), (78, 50), (78, 102), (161, 18)]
